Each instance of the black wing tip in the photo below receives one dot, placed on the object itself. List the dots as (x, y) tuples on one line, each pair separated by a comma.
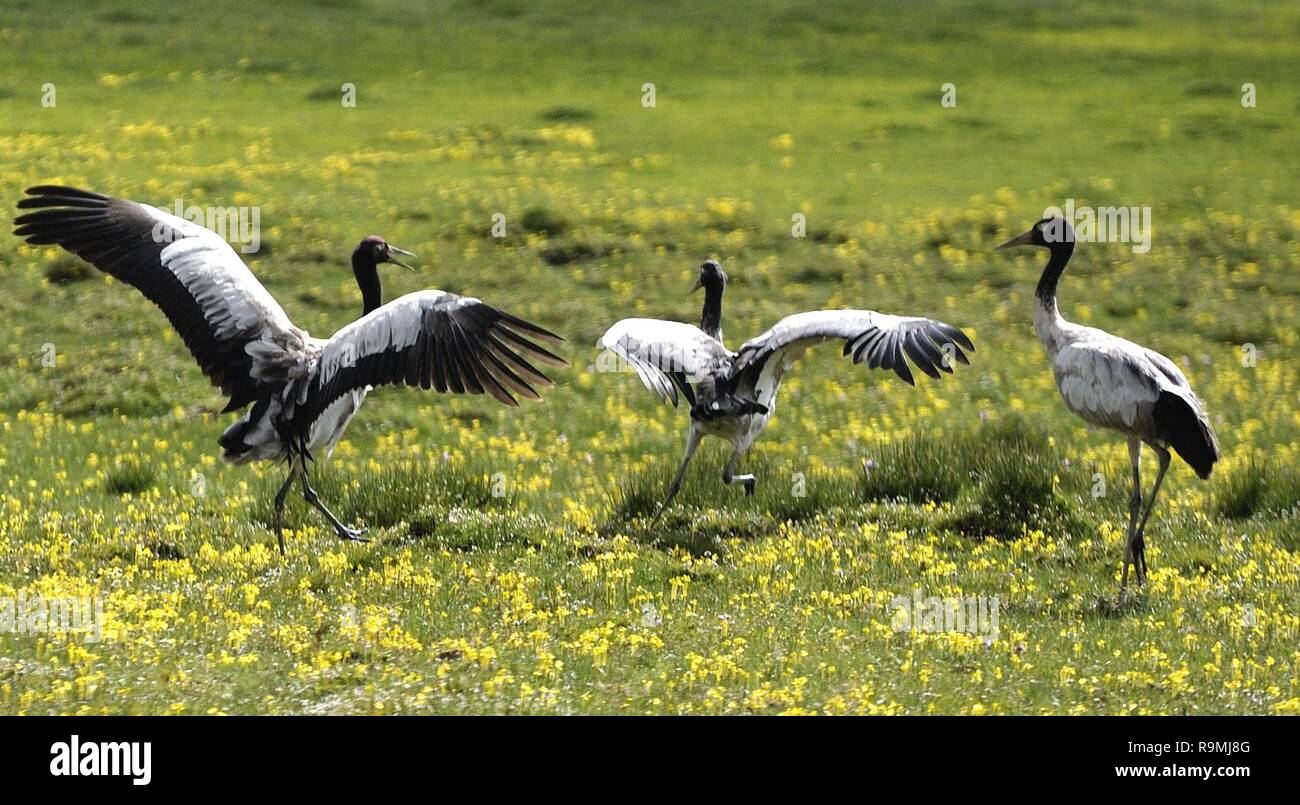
[(59, 195), (532, 330), (39, 190), (961, 338), (521, 333), (52, 208), (952, 333), (545, 382)]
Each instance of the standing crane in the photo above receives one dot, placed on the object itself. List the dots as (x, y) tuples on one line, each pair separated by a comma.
[(1116, 384), (732, 395), (303, 390)]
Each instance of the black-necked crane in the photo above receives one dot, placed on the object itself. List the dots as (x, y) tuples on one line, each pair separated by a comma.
[(732, 395), (303, 390), (1116, 384)]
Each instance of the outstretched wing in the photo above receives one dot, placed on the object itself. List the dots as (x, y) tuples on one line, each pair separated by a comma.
[(434, 340), (883, 341), (666, 355), (191, 273)]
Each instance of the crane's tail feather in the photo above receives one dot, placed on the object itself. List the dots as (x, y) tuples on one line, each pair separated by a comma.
[(1187, 430), (252, 436), (730, 405)]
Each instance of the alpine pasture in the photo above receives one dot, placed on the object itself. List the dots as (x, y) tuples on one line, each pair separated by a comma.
[(513, 566)]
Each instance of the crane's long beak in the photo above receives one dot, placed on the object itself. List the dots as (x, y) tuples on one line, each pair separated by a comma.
[(698, 285), (1020, 240), (392, 259)]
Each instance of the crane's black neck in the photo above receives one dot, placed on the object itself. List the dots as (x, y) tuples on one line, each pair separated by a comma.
[(367, 274), (1060, 257), (711, 318)]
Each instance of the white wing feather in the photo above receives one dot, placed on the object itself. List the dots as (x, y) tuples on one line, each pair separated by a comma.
[(655, 348), (232, 299)]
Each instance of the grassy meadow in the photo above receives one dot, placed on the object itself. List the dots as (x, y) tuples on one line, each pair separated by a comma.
[(513, 567)]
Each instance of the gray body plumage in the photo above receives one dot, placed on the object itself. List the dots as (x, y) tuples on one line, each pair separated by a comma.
[(1113, 383)]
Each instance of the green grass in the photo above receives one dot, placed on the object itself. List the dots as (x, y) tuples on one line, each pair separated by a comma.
[(916, 470), (513, 566), (129, 477), (1259, 487)]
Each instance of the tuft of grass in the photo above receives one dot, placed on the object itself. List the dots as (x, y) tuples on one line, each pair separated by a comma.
[(129, 476), (918, 469), (466, 530), (637, 496), (396, 492), (814, 493), (543, 221), (402, 492), (574, 251), (1013, 470), (1256, 488), (68, 269), (1003, 476), (1209, 88), (1241, 493), (565, 114), (704, 531), (1013, 433), (1283, 494), (706, 513), (325, 92), (1014, 489)]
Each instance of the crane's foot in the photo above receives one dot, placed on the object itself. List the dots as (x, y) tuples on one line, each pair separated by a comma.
[(1135, 555), (747, 480), (1140, 560), (353, 534)]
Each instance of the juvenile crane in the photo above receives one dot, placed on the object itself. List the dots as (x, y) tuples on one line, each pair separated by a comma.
[(303, 390), (1116, 384), (732, 395)]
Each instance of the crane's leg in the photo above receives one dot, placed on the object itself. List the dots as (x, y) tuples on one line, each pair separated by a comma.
[(729, 473), (1134, 506), (279, 505), (1139, 540), (692, 442), (309, 494)]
